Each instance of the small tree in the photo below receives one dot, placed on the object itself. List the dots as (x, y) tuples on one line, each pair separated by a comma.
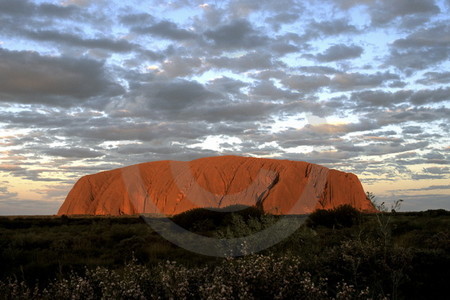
[(384, 218)]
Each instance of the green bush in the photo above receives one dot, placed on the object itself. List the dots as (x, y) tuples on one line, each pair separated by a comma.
[(339, 217)]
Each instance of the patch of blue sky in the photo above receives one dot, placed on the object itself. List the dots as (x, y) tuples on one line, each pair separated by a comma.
[(170, 10), (360, 18), (18, 44), (444, 7), (211, 75)]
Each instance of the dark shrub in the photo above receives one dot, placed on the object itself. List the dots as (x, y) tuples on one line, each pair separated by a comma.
[(339, 217), (206, 219), (437, 212), (65, 219)]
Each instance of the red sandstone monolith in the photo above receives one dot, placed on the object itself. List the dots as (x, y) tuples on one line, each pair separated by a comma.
[(172, 187)]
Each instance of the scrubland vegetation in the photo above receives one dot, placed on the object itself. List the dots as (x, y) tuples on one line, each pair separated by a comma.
[(336, 254)]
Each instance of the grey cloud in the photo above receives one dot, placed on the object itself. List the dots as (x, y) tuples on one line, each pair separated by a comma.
[(226, 85), (397, 84), (212, 15), (305, 83), (387, 11), (176, 95), (5, 194), (437, 170), (16, 7), (362, 125), (379, 98), (238, 34), (328, 28), (73, 152), (395, 147), (249, 61), (430, 96), (181, 66), (28, 77), (185, 154), (294, 140), (421, 49), (434, 155), (339, 52), (57, 11), (231, 111), (83, 3), (323, 134), (379, 138), (438, 161), (138, 131), (425, 37), (306, 104), (420, 161), (326, 158), (25, 8), (382, 133), (282, 18), (410, 115), (148, 149), (77, 41), (426, 176), (24, 172), (166, 29), (136, 19), (245, 129), (37, 119), (19, 14), (283, 48), (267, 90), (270, 73), (412, 130), (417, 59), (80, 170), (406, 155), (26, 142), (348, 81), (319, 70), (435, 78), (349, 148), (430, 188), (242, 8)]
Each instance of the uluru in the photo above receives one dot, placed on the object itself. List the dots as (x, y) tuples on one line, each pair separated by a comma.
[(172, 187)]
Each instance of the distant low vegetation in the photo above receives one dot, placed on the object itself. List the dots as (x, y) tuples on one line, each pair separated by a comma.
[(338, 254), (339, 217)]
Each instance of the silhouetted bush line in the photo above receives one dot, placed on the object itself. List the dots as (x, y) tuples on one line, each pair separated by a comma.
[(339, 217), (338, 254), (209, 219)]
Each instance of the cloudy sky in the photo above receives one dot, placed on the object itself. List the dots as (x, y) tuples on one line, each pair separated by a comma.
[(360, 86)]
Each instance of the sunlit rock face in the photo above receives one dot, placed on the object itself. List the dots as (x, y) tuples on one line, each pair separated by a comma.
[(172, 187)]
